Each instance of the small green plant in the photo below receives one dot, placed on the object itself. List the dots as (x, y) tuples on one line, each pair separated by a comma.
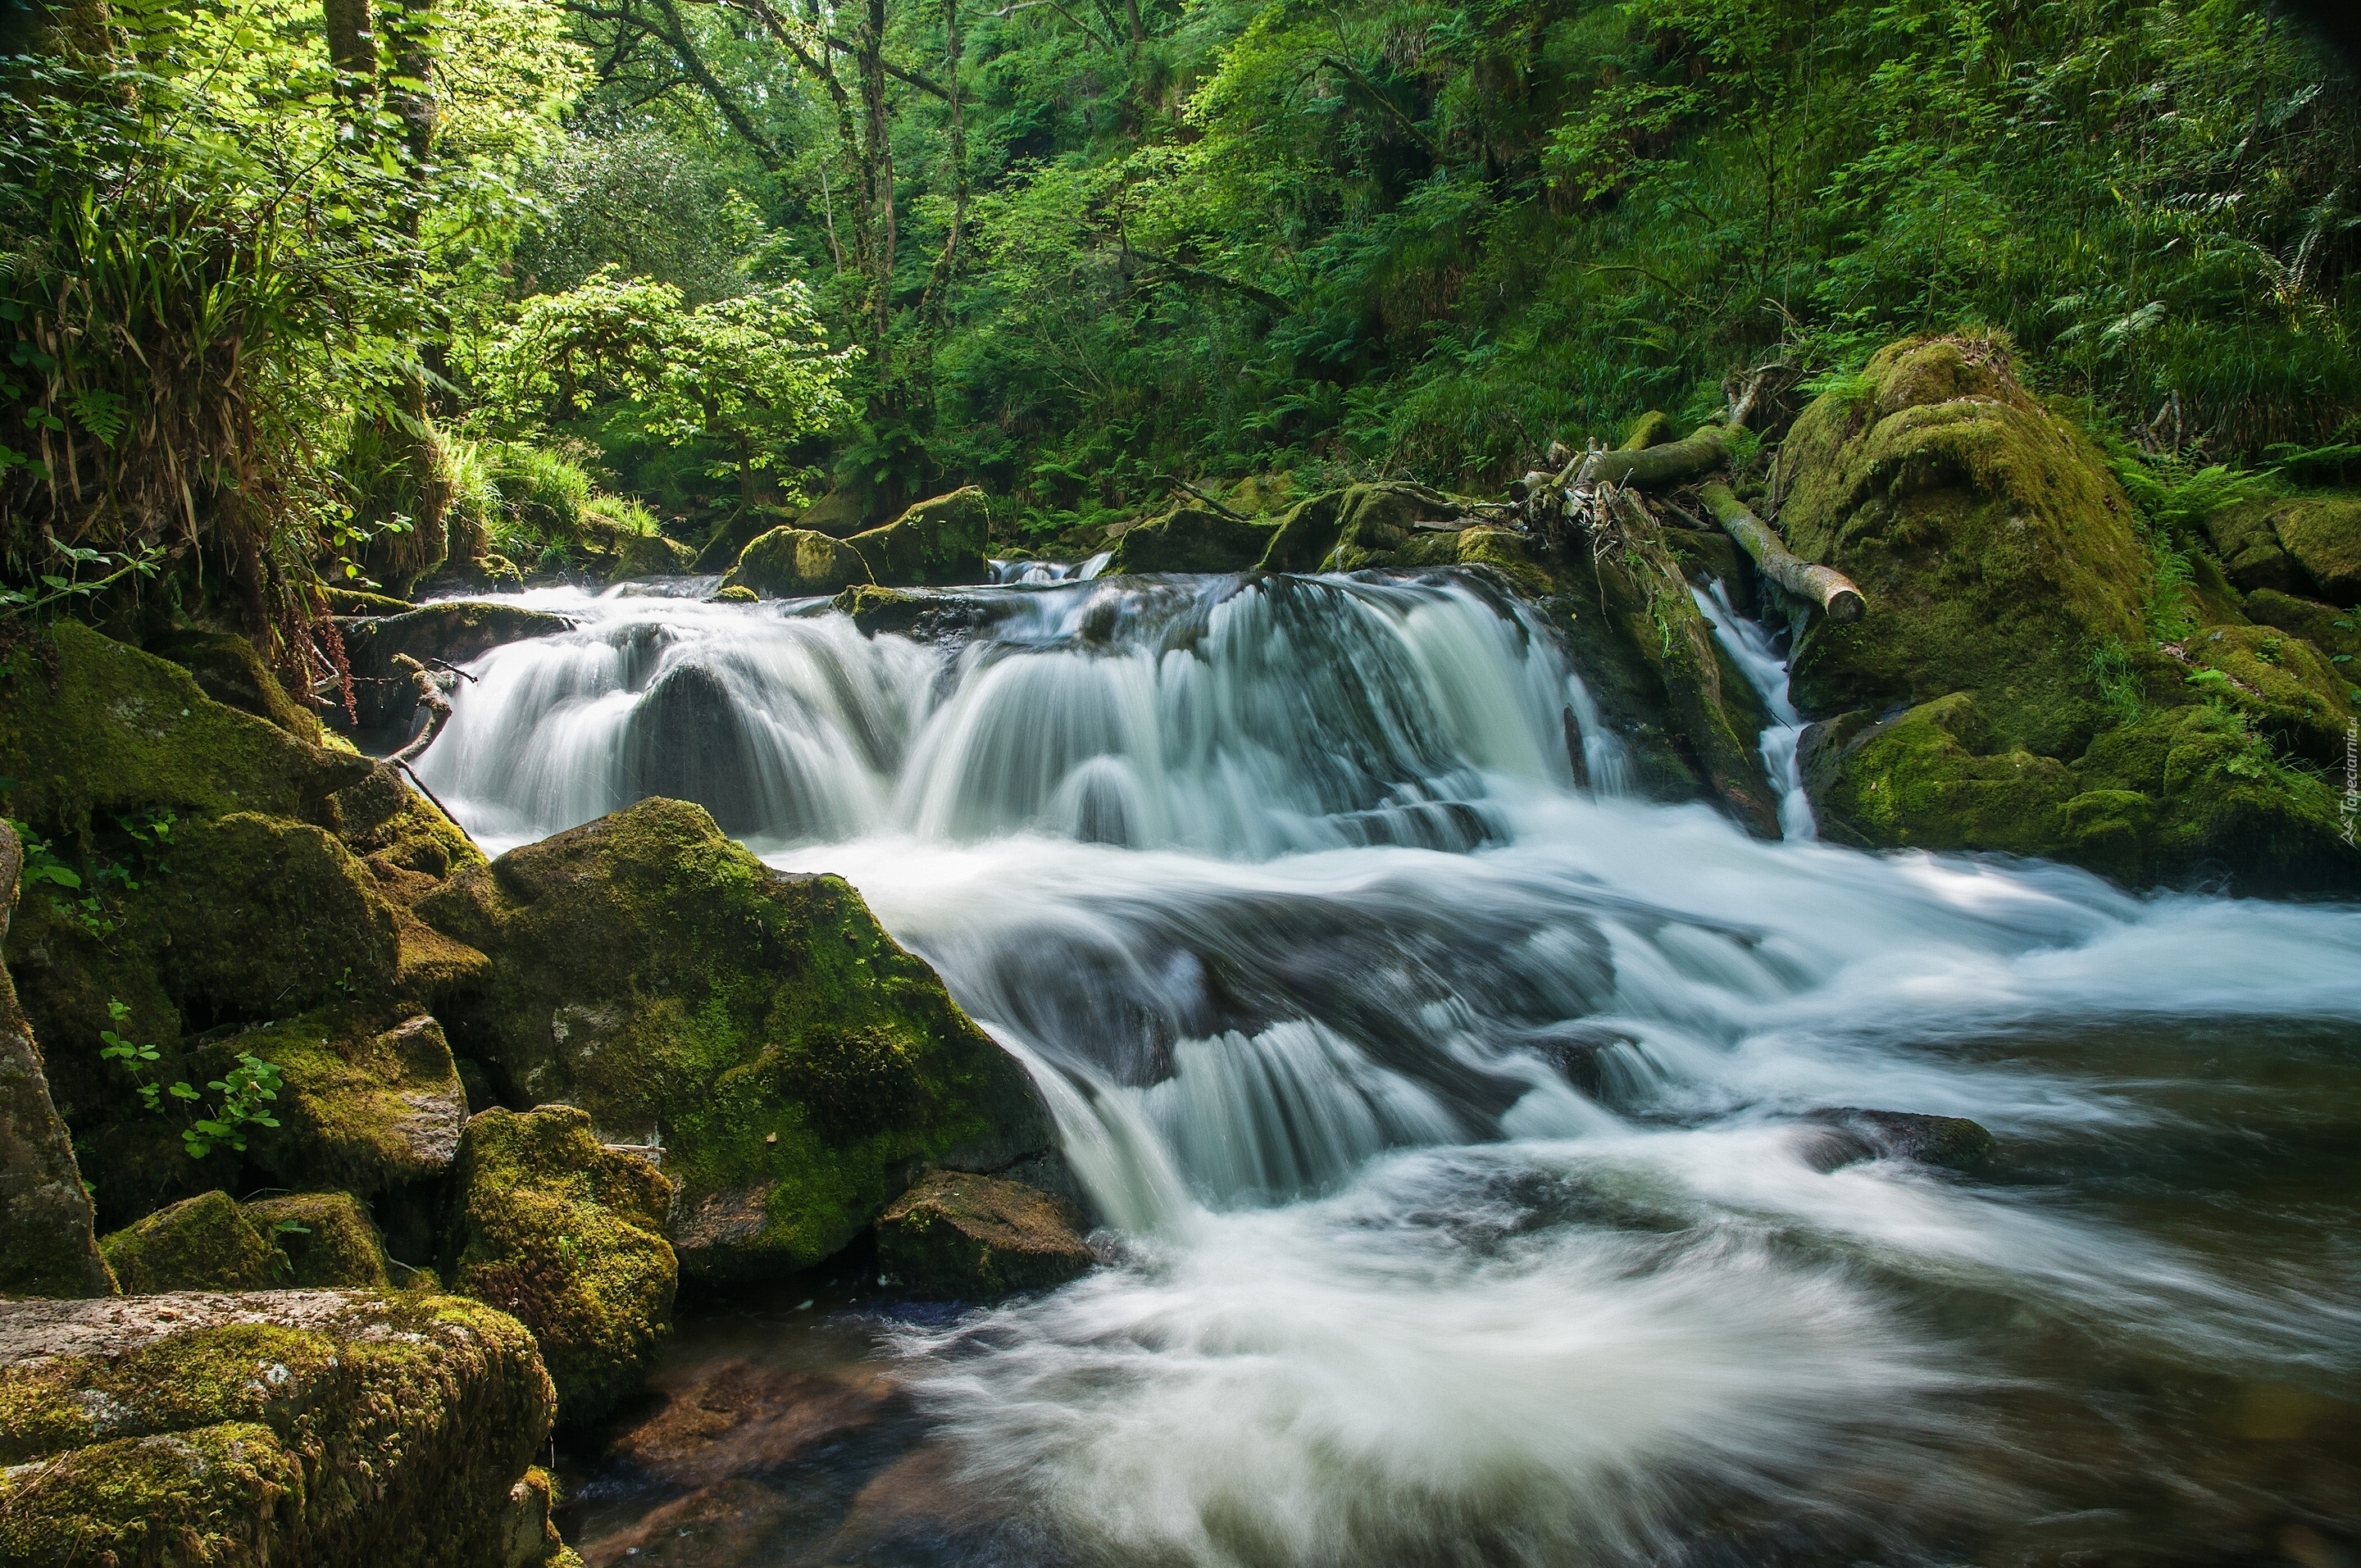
[(245, 1091), (54, 588), (43, 864), (2119, 689)]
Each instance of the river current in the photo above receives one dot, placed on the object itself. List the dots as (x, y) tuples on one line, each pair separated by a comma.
[(1453, 1117)]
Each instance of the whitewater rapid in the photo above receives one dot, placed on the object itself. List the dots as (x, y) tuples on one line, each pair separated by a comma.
[(1452, 1119)]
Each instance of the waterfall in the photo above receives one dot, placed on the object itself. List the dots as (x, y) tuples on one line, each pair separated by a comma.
[(1453, 1109), (1749, 647)]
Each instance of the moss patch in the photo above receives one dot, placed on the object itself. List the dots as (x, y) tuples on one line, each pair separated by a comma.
[(305, 1427), (204, 1243), (362, 1107), (567, 1234), (651, 971), (230, 669), (2307, 545)]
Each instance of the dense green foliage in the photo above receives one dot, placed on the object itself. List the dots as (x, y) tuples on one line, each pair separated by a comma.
[(704, 256)]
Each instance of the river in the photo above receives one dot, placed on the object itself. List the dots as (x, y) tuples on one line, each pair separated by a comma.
[(1461, 1123)]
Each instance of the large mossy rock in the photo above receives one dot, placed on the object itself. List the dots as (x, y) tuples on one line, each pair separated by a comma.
[(936, 543), (1349, 530), (2308, 545), (798, 1063), (205, 1242), (47, 1246), (229, 669), (1192, 539), (91, 727), (364, 1107), (549, 1223), (1995, 546), (958, 1236), (796, 562), (649, 555), (294, 1429), (2007, 691)]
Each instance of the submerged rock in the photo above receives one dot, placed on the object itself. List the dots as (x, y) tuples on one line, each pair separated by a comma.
[(798, 1064), (926, 617), (307, 1428), (796, 562), (1848, 1135), (205, 1242), (977, 1238), (1192, 539), (550, 1224), (935, 543)]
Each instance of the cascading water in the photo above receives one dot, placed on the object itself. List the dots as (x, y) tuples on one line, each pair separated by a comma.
[(1458, 1121)]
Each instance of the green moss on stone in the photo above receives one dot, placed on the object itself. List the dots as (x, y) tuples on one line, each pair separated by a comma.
[(976, 1238), (1192, 539), (550, 1224), (90, 728), (650, 555), (362, 1106), (204, 1243), (231, 671), (328, 1239), (314, 1427), (796, 562), (935, 543), (2306, 544), (1998, 549), (651, 971)]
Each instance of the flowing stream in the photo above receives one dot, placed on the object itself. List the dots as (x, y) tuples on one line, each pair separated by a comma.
[(1454, 1126)]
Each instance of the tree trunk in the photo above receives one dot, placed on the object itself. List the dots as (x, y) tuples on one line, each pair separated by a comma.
[(877, 172), (1830, 589), (1654, 467)]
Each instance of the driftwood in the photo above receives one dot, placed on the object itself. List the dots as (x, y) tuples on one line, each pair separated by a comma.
[(432, 698), (1830, 589)]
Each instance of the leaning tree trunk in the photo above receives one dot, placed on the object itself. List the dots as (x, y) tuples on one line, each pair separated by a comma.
[(1823, 585)]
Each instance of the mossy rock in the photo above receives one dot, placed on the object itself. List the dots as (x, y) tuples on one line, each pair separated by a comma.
[(936, 543), (552, 1225), (2305, 544), (2336, 633), (47, 1246), (926, 617), (958, 1236), (91, 727), (326, 1238), (409, 844), (1360, 527), (230, 669), (796, 1061), (1997, 548), (358, 601), (650, 555), (737, 593), (2191, 794), (308, 1428), (1192, 539), (362, 1106), (205, 1242), (838, 514), (2284, 685), (795, 563)]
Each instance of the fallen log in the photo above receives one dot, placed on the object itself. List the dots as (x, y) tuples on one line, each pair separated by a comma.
[(1830, 589), (1654, 467)]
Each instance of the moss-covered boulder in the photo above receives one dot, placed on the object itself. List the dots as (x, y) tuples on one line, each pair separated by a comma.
[(924, 616), (364, 1107), (2307, 545), (798, 1063), (47, 1246), (326, 1238), (1348, 530), (1192, 539), (229, 669), (549, 1223), (294, 1429), (963, 1237), (649, 555), (795, 563), (205, 1242), (935, 543), (90, 729), (1997, 548)]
